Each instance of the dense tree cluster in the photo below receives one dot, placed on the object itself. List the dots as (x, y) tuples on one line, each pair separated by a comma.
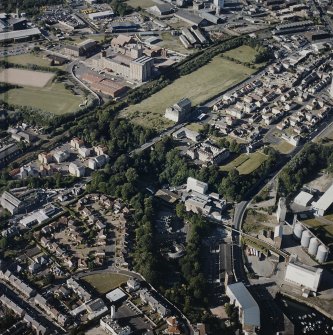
[(120, 7), (304, 166), (30, 7)]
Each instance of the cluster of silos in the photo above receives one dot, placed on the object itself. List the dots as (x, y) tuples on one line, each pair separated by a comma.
[(310, 242)]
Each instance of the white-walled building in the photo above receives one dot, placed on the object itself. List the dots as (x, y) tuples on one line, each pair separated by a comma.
[(61, 156), (84, 152), (76, 170), (180, 111), (303, 199), (326, 201), (249, 312), (98, 162), (281, 210), (196, 186), (112, 327), (302, 275), (101, 15)]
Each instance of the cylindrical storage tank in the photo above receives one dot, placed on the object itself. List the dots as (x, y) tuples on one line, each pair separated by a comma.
[(306, 236), (298, 229), (322, 254), (313, 246)]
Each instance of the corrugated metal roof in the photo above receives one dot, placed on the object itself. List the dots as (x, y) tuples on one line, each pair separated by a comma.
[(251, 311), (326, 200), (19, 34)]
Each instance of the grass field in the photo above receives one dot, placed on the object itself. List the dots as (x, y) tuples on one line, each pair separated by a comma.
[(235, 163), (105, 282), (195, 126), (198, 86), (23, 77), (284, 147), (246, 163), (26, 59), (253, 163), (141, 3), (254, 221), (53, 98), (243, 53)]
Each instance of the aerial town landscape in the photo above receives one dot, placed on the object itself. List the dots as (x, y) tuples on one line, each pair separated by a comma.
[(166, 167)]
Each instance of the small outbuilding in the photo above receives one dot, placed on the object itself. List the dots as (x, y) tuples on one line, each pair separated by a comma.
[(303, 199)]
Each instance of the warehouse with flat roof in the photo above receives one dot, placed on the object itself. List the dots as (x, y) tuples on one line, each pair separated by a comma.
[(303, 199), (305, 276), (324, 203), (249, 312), (19, 35)]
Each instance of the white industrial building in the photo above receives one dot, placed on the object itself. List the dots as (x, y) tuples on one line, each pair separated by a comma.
[(116, 295), (196, 186), (307, 277), (281, 210), (101, 15), (278, 234), (303, 199), (180, 111), (321, 206), (249, 311)]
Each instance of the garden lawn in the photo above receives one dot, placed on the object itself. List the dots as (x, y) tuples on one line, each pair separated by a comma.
[(105, 282)]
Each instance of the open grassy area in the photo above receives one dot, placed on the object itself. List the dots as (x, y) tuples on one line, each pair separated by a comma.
[(53, 98), (284, 147), (200, 85), (245, 163), (235, 163), (141, 3), (243, 53), (195, 126), (253, 163), (25, 59), (105, 282)]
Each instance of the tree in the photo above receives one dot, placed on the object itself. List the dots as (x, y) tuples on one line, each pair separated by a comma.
[(3, 243), (131, 175), (228, 309), (180, 210)]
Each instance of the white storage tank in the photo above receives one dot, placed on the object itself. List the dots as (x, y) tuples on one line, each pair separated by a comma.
[(322, 254), (298, 229), (313, 246), (305, 241)]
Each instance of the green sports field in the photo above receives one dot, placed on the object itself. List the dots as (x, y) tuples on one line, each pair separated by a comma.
[(53, 98)]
